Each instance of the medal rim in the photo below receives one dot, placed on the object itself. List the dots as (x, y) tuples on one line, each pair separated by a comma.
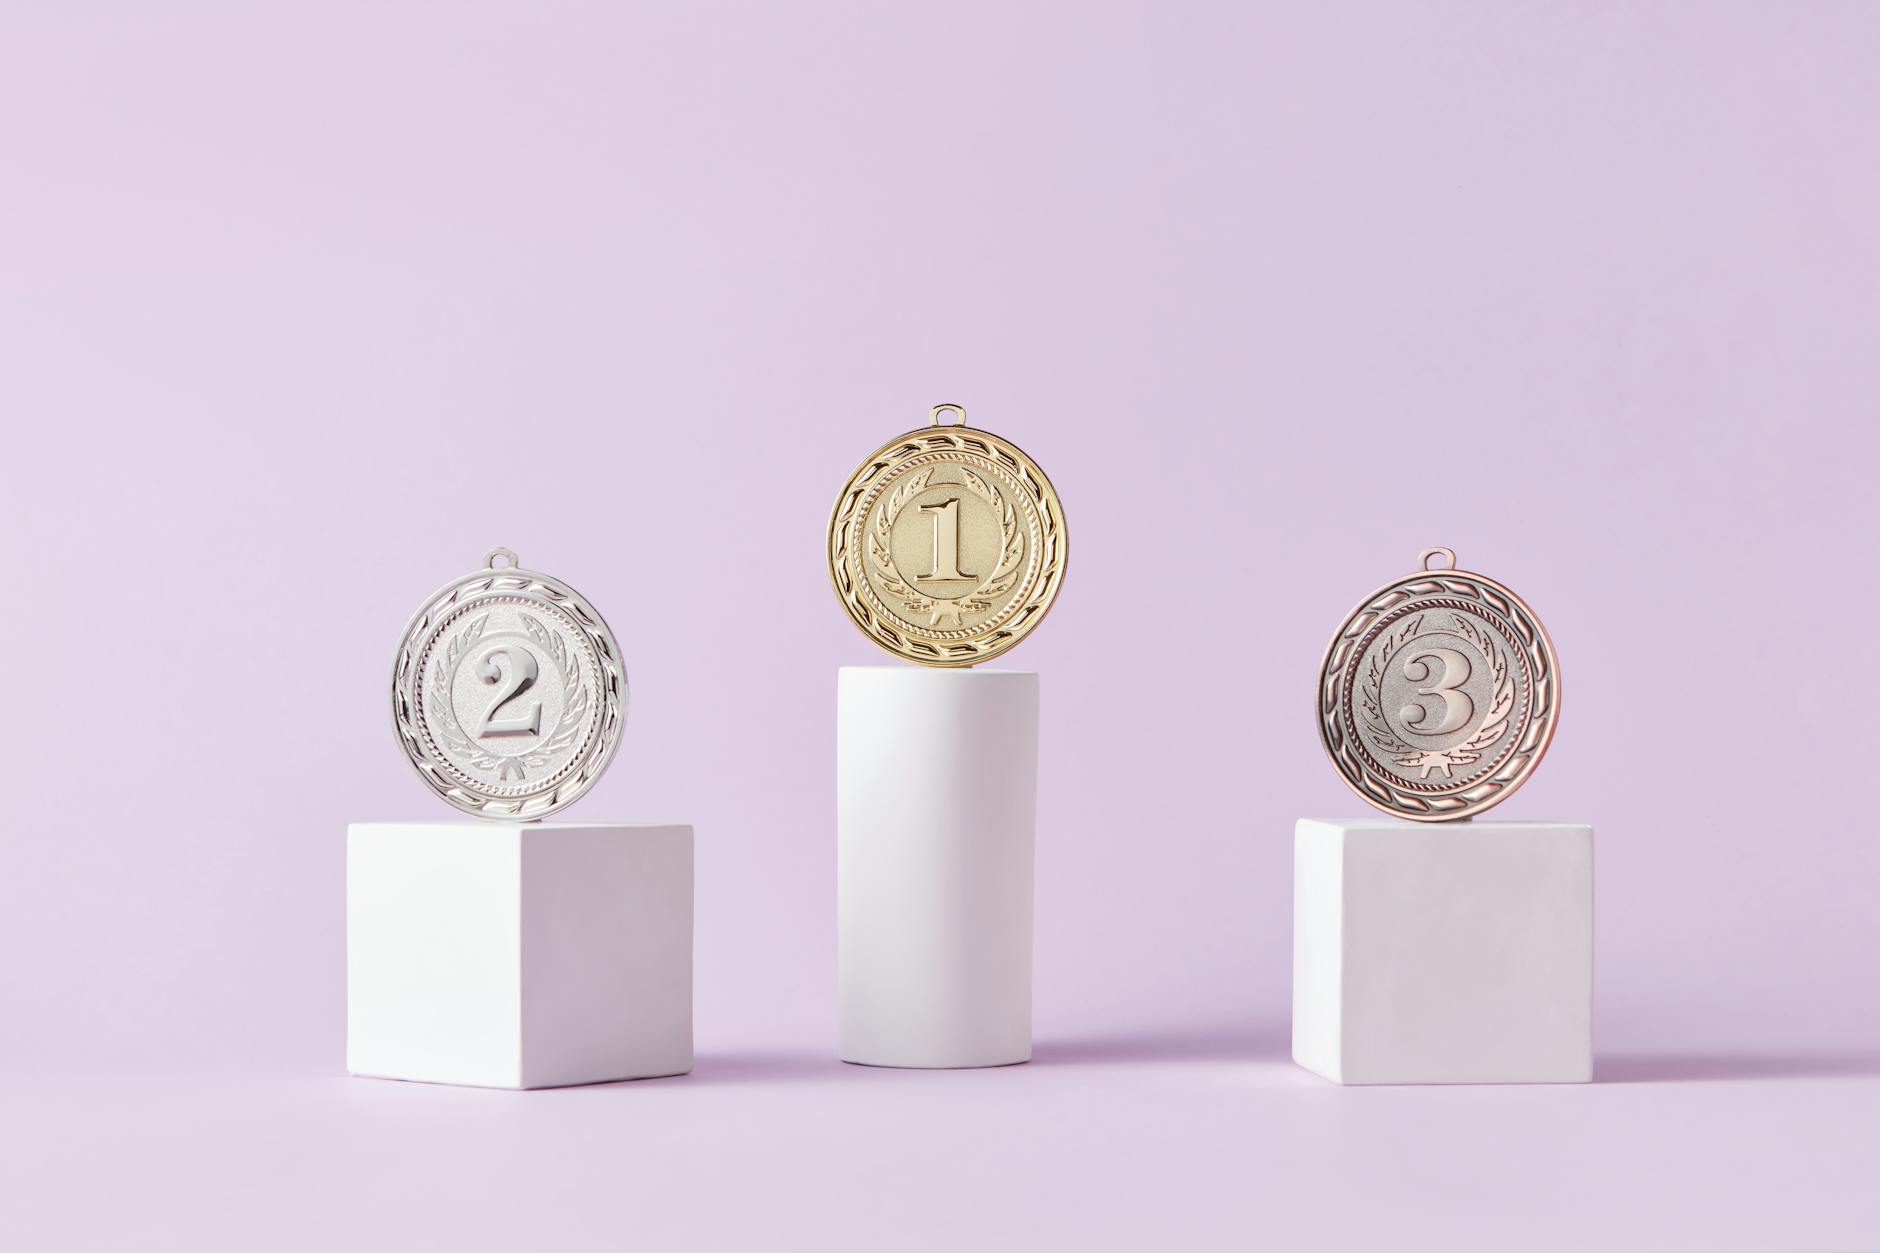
[(1051, 576), (1543, 641), (600, 750)]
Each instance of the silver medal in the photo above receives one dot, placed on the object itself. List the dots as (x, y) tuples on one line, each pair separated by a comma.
[(507, 692)]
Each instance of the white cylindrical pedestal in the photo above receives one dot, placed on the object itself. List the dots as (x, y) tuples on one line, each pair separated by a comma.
[(936, 803)]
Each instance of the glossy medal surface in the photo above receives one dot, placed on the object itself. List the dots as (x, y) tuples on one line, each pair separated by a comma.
[(507, 692), (948, 545), (1439, 694)]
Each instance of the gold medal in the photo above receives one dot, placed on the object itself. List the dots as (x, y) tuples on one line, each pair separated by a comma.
[(947, 545), (1439, 693)]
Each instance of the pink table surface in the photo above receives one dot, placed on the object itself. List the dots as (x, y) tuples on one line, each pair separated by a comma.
[(305, 307), (1204, 1141)]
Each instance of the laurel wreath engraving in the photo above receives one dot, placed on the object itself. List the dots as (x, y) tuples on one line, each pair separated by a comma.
[(878, 550), (1010, 550), (1469, 751), (1501, 696), (453, 736), (560, 736), (574, 695), (1370, 693), (980, 598)]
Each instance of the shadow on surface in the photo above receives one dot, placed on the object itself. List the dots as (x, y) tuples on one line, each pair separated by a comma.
[(1202, 1044), (776, 1066), (1718, 1067), (1217, 1044)]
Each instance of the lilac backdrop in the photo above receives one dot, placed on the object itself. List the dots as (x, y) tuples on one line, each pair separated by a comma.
[(304, 308)]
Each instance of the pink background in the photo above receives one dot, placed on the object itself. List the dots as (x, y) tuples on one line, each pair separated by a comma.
[(303, 309)]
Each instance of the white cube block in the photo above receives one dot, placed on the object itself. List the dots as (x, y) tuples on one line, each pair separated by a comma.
[(1454, 952), (518, 956)]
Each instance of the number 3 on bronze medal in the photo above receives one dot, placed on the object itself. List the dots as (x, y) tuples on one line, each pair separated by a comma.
[(1439, 693), (1452, 672)]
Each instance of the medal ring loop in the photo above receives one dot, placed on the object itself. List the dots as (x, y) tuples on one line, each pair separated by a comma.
[(1423, 558), (939, 412), (508, 554)]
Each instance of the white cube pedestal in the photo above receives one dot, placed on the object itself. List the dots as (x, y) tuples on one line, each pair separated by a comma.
[(518, 956), (1443, 952), (936, 803)]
